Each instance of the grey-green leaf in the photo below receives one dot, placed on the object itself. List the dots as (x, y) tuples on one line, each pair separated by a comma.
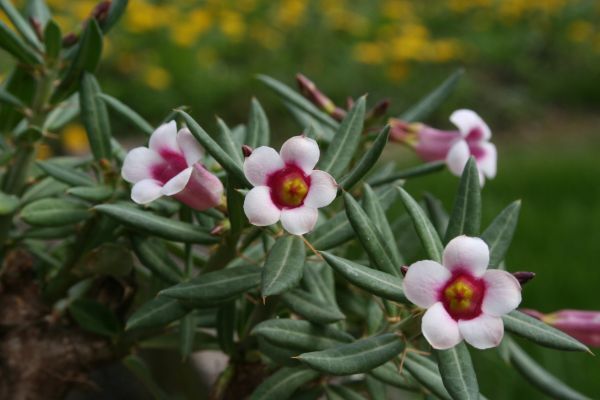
[(62, 173), (283, 266), (94, 194), (226, 140), (310, 307), (8, 203), (13, 44), (499, 233), (420, 170), (367, 161), (283, 383), (54, 212), (95, 117), (127, 113), (153, 255), (426, 372), (95, 317), (257, 133), (338, 392), (465, 218), (390, 374), (157, 312), (458, 374)]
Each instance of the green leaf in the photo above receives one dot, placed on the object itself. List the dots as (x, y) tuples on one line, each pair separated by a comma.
[(54, 212), (277, 354), (258, 133), (7, 98), (62, 173), (345, 142), (152, 224), (283, 266), (187, 333), (38, 10), (300, 335), (331, 233), (21, 24), (311, 127), (429, 103), (139, 368), (369, 236), (127, 113), (9, 203), (283, 383), (389, 373), (310, 307), (96, 194), (52, 40), (297, 100), (226, 323), (319, 280), (538, 376), (360, 356), (376, 282), (426, 372), (107, 259), (153, 255), (499, 234), (367, 161), (458, 374), (465, 218), (437, 214), (95, 317), (426, 231), (13, 44), (155, 313), (95, 117), (376, 388), (229, 164), (216, 286), (338, 392), (59, 232), (226, 140), (537, 331), (420, 170), (117, 9), (62, 114), (47, 187)]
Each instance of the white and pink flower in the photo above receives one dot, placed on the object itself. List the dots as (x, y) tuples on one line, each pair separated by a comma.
[(463, 299), (286, 187), (581, 324), (170, 166), (455, 147)]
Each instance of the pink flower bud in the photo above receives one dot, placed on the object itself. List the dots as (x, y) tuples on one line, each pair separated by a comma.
[(582, 325)]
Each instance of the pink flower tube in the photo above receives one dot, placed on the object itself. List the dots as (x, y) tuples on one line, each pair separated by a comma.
[(582, 325), (170, 166)]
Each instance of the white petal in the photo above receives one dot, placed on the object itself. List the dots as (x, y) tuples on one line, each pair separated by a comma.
[(322, 191), (145, 191), (487, 161), (301, 151), (177, 183), (467, 121), (262, 162), (483, 331), (259, 207), (440, 330), (502, 292), (470, 254), (457, 157), (189, 146), (138, 164), (164, 138), (299, 220), (423, 281)]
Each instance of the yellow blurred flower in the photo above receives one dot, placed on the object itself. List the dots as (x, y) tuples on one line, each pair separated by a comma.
[(232, 25), (369, 53), (74, 140), (43, 151), (290, 13), (580, 31), (266, 36), (157, 78), (186, 32)]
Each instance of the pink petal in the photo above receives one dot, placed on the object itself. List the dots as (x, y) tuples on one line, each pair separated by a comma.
[(434, 144), (423, 281), (466, 253), (470, 125), (164, 138), (482, 332), (322, 191), (203, 190), (259, 207), (502, 292), (299, 220), (146, 191), (440, 330), (488, 159), (177, 183), (457, 157), (189, 146), (262, 162), (302, 152), (138, 164)]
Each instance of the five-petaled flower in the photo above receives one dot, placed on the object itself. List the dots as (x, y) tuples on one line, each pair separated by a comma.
[(464, 300), (170, 166), (455, 147), (286, 187)]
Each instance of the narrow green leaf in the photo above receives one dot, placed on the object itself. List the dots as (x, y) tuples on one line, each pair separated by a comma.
[(312, 128), (52, 40), (538, 376), (376, 388), (7, 98), (379, 283), (465, 218), (345, 142), (59, 232), (283, 383), (426, 372), (258, 133), (458, 374), (360, 356), (500, 232), (226, 140), (369, 236), (332, 233), (278, 354), (313, 309), (62, 114), (226, 323), (94, 317), (427, 233), (127, 113), (318, 279), (139, 368), (155, 313), (110, 259), (537, 331), (297, 100), (54, 212), (68, 175), (429, 103), (187, 334), (9, 203), (96, 194), (437, 214), (21, 24), (95, 117), (47, 187), (338, 392), (117, 9), (367, 161), (228, 163), (283, 266), (216, 286), (153, 255), (152, 224), (420, 170), (389, 373), (11, 43), (300, 335), (38, 10)]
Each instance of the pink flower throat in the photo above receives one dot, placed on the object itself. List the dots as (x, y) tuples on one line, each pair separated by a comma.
[(462, 296), (173, 163), (289, 186)]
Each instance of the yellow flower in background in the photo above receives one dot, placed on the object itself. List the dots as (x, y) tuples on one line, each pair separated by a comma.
[(74, 140), (290, 13), (157, 78), (232, 25), (394, 9), (188, 30), (580, 31), (369, 53), (82, 8), (43, 151), (266, 36)]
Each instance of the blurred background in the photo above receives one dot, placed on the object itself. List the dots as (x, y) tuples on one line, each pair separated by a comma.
[(532, 72)]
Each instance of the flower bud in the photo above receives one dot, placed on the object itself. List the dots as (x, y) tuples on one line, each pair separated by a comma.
[(429, 143), (246, 150), (100, 12), (524, 277), (69, 40), (582, 325), (318, 98)]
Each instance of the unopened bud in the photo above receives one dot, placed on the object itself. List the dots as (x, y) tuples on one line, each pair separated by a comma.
[(318, 98), (100, 12), (524, 277), (69, 40), (246, 150), (582, 325), (349, 102), (217, 230), (379, 110), (404, 270)]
